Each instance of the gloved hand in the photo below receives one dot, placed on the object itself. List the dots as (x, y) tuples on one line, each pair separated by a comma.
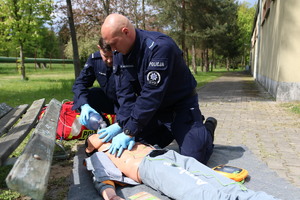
[(109, 132), (121, 142), (86, 109)]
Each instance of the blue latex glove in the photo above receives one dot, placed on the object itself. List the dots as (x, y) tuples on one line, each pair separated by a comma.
[(121, 142), (109, 132), (86, 109)]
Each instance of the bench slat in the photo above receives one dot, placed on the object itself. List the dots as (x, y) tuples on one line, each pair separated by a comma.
[(4, 108), (17, 134), (30, 173), (11, 118)]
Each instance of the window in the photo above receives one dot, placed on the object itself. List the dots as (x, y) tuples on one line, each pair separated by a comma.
[(266, 10)]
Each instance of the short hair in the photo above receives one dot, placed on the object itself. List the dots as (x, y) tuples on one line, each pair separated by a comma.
[(103, 45)]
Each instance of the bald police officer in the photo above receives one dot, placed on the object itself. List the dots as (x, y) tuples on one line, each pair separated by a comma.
[(153, 83)]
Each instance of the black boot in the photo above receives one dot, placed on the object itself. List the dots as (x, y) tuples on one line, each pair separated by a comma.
[(211, 124)]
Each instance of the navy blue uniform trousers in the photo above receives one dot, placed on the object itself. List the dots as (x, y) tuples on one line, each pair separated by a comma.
[(185, 125)]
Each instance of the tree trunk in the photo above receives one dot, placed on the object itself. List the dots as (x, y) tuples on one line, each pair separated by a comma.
[(183, 30), (106, 6), (194, 59), (227, 64), (76, 60), (202, 61), (22, 62), (206, 62), (187, 57), (213, 65), (143, 13)]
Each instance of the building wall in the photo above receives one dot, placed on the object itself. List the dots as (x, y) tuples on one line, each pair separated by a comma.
[(276, 64)]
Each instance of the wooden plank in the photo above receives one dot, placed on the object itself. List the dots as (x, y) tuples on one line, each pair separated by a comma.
[(17, 134), (30, 174), (11, 118), (4, 108)]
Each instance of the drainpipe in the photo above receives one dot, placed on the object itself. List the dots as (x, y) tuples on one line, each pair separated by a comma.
[(256, 60)]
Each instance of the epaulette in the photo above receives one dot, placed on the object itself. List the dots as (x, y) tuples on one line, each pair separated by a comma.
[(150, 43), (96, 55)]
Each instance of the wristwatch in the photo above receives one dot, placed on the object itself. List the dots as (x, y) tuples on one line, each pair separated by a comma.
[(128, 132)]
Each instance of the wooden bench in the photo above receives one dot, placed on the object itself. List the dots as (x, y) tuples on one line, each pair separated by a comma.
[(30, 172)]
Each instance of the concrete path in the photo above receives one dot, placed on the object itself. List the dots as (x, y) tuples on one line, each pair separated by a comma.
[(248, 115)]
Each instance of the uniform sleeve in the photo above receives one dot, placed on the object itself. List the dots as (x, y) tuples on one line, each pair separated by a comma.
[(157, 75), (126, 96), (85, 80)]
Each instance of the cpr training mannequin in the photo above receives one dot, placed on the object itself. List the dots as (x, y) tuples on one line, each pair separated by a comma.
[(164, 170)]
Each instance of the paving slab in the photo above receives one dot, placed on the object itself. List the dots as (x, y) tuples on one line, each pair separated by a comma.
[(248, 115)]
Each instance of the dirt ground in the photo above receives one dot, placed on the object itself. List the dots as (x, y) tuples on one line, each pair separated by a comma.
[(59, 182), (59, 178)]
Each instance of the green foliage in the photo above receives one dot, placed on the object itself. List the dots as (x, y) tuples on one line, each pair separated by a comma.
[(8, 195), (205, 24), (225, 43), (45, 46), (245, 24), (86, 46), (21, 21)]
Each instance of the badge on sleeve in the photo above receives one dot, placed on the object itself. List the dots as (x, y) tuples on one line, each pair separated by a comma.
[(153, 78)]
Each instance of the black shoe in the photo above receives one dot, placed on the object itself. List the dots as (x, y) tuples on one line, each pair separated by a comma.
[(211, 124)]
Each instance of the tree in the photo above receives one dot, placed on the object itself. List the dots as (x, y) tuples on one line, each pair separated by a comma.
[(44, 46), (245, 23), (171, 17), (88, 17), (22, 21), (76, 59), (86, 45), (225, 41)]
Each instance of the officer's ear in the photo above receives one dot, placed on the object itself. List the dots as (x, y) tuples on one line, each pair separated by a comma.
[(99, 47), (125, 30)]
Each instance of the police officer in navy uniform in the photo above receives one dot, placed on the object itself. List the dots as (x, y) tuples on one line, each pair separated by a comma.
[(96, 100), (154, 85)]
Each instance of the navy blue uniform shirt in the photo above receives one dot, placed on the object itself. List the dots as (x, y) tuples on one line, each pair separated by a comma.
[(94, 68), (152, 79)]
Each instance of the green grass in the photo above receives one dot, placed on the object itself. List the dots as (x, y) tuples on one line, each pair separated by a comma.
[(42, 83), (203, 78), (292, 107)]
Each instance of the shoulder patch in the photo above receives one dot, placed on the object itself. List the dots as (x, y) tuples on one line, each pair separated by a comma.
[(153, 78), (158, 64)]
